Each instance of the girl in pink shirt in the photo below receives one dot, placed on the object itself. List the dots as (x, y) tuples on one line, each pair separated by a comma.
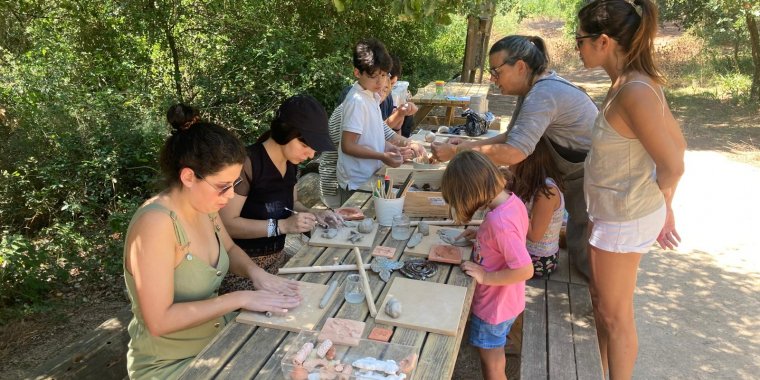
[(500, 263)]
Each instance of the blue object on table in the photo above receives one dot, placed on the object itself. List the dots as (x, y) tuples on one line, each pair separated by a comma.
[(458, 98)]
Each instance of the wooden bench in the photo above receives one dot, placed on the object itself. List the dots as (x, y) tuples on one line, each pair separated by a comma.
[(558, 332)]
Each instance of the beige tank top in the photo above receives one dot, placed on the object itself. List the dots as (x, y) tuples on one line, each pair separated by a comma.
[(620, 181)]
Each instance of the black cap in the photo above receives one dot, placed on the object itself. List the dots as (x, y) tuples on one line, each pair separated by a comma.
[(305, 114)]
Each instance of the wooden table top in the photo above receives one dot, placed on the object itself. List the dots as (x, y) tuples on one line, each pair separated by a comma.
[(454, 94), (246, 351)]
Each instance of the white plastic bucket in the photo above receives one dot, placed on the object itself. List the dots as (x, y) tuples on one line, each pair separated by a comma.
[(386, 209)]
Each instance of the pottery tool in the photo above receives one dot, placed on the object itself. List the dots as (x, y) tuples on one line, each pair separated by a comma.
[(406, 184), (328, 294), (294, 212), (365, 282), (387, 182), (320, 268), (446, 223)]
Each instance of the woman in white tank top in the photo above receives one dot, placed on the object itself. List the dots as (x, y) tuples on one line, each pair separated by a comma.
[(632, 170)]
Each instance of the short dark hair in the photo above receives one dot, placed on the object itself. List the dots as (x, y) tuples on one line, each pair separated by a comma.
[(370, 56), (396, 69), (204, 147)]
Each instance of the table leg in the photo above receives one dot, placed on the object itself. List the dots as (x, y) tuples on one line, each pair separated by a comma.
[(421, 114), (449, 115)]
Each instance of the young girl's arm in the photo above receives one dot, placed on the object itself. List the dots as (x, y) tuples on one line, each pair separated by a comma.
[(542, 212), (505, 276)]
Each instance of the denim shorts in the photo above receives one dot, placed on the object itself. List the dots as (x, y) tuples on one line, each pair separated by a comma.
[(487, 336)]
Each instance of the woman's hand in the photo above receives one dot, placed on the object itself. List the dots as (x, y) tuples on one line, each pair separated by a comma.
[(297, 223), (443, 151), (393, 159), (418, 149), (275, 284), (669, 237), (329, 218), (267, 301), (475, 271)]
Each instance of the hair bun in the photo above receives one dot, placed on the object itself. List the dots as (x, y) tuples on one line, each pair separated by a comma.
[(182, 117)]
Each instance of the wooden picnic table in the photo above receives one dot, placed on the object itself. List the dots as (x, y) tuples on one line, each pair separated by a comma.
[(455, 94), (246, 351)]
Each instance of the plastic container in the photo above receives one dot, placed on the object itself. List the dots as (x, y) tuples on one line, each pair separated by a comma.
[(401, 228), (387, 208), (353, 291), (439, 90), (345, 354)]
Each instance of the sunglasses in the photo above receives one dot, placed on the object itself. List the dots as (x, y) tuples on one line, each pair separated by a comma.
[(579, 38), (224, 189)]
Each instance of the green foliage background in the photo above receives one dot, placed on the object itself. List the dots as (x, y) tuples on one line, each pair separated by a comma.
[(84, 86)]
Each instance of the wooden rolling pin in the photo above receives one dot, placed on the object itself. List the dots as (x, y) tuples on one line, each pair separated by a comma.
[(320, 268), (365, 281), (446, 223)]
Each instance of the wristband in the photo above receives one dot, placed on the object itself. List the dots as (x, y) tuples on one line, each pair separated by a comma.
[(271, 227)]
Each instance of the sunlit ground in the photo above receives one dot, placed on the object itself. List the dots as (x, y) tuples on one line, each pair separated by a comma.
[(698, 309)]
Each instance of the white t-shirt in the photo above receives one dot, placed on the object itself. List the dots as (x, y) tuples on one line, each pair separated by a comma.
[(361, 115)]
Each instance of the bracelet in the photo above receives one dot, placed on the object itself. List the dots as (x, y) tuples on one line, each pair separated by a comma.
[(271, 228)]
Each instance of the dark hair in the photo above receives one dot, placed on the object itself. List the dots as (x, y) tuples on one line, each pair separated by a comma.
[(280, 131), (633, 24), (370, 56), (396, 69), (529, 49), (204, 147), (470, 182), (530, 174)]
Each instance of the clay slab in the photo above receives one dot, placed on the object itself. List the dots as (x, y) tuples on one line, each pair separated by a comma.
[(345, 332), (427, 306), (423, 249), (341, 241), (445, 254), (380, 334), (304, 317), (387, 252)]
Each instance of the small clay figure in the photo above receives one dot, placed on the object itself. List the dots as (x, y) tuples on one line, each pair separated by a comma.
[(354, 236), (303, 353), (366, 226), (330, 233), (384, 267), (418, 269), (423, 228), (313, 364), (371, 364), (393, 308), (430, 136), (415, 240), (330, 354), (443, 129), (299, 373), (406, 365), (323, 347)]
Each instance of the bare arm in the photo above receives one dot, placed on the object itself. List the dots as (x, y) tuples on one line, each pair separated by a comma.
[(349, 143), (496, 148), (541, 214), (505, 276), (239, 227)]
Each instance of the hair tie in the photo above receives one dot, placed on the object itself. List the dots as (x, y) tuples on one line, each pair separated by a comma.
[(637, 8), (189, 124)]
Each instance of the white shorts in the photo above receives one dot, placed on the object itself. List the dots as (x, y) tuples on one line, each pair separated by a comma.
[(636, 235)]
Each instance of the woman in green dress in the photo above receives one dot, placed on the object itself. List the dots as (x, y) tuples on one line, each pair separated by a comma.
[(177, 252)]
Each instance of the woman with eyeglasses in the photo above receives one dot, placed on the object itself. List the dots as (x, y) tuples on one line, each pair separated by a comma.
[(549, 110), (177, 252), (265, 207), (632, 170)]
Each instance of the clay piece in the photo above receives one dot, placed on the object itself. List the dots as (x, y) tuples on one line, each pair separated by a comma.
[(430, 136), (351, 224), (330, 354), (350, 213), (369, 375), (407, 364), (330, 233), (393, 308), (327, 374), (303, 353), (445, 254), (324, 347), (443, 129), (449, 236), (384, 267), (387, 252), (419, 269), (366, 226), (380, 334), (299, 373), (389, 367), (415, 240), (313, 364), (423, 228), (354, 236), (342, 332)]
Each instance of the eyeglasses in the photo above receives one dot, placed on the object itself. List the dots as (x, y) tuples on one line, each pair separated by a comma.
[(579, 38), (222, 190), (495, 70)]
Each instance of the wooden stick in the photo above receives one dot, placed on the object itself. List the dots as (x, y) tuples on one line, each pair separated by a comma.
[(328, 294), (405, 185), (365, 281), (320, 268), (446, 223)]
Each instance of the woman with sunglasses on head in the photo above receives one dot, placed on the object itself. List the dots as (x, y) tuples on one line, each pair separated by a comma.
[(632, 170), (265, 207), (177, 253), (550, 110)]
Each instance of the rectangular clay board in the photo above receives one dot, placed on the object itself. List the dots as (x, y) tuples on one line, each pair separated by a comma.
[(341, 241), (423, 249), (304, 317)]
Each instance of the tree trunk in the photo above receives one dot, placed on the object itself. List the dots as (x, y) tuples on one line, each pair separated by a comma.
[(175, 59), (754, 38)]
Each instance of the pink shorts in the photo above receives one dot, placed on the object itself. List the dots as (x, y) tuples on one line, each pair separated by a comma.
[(636, 235)]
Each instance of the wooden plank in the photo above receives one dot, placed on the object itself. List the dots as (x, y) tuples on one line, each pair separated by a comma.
[(533, 355), (559, 332), (253, 354), (101, 353), (587, 358), (217, 353), (562, 272)]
